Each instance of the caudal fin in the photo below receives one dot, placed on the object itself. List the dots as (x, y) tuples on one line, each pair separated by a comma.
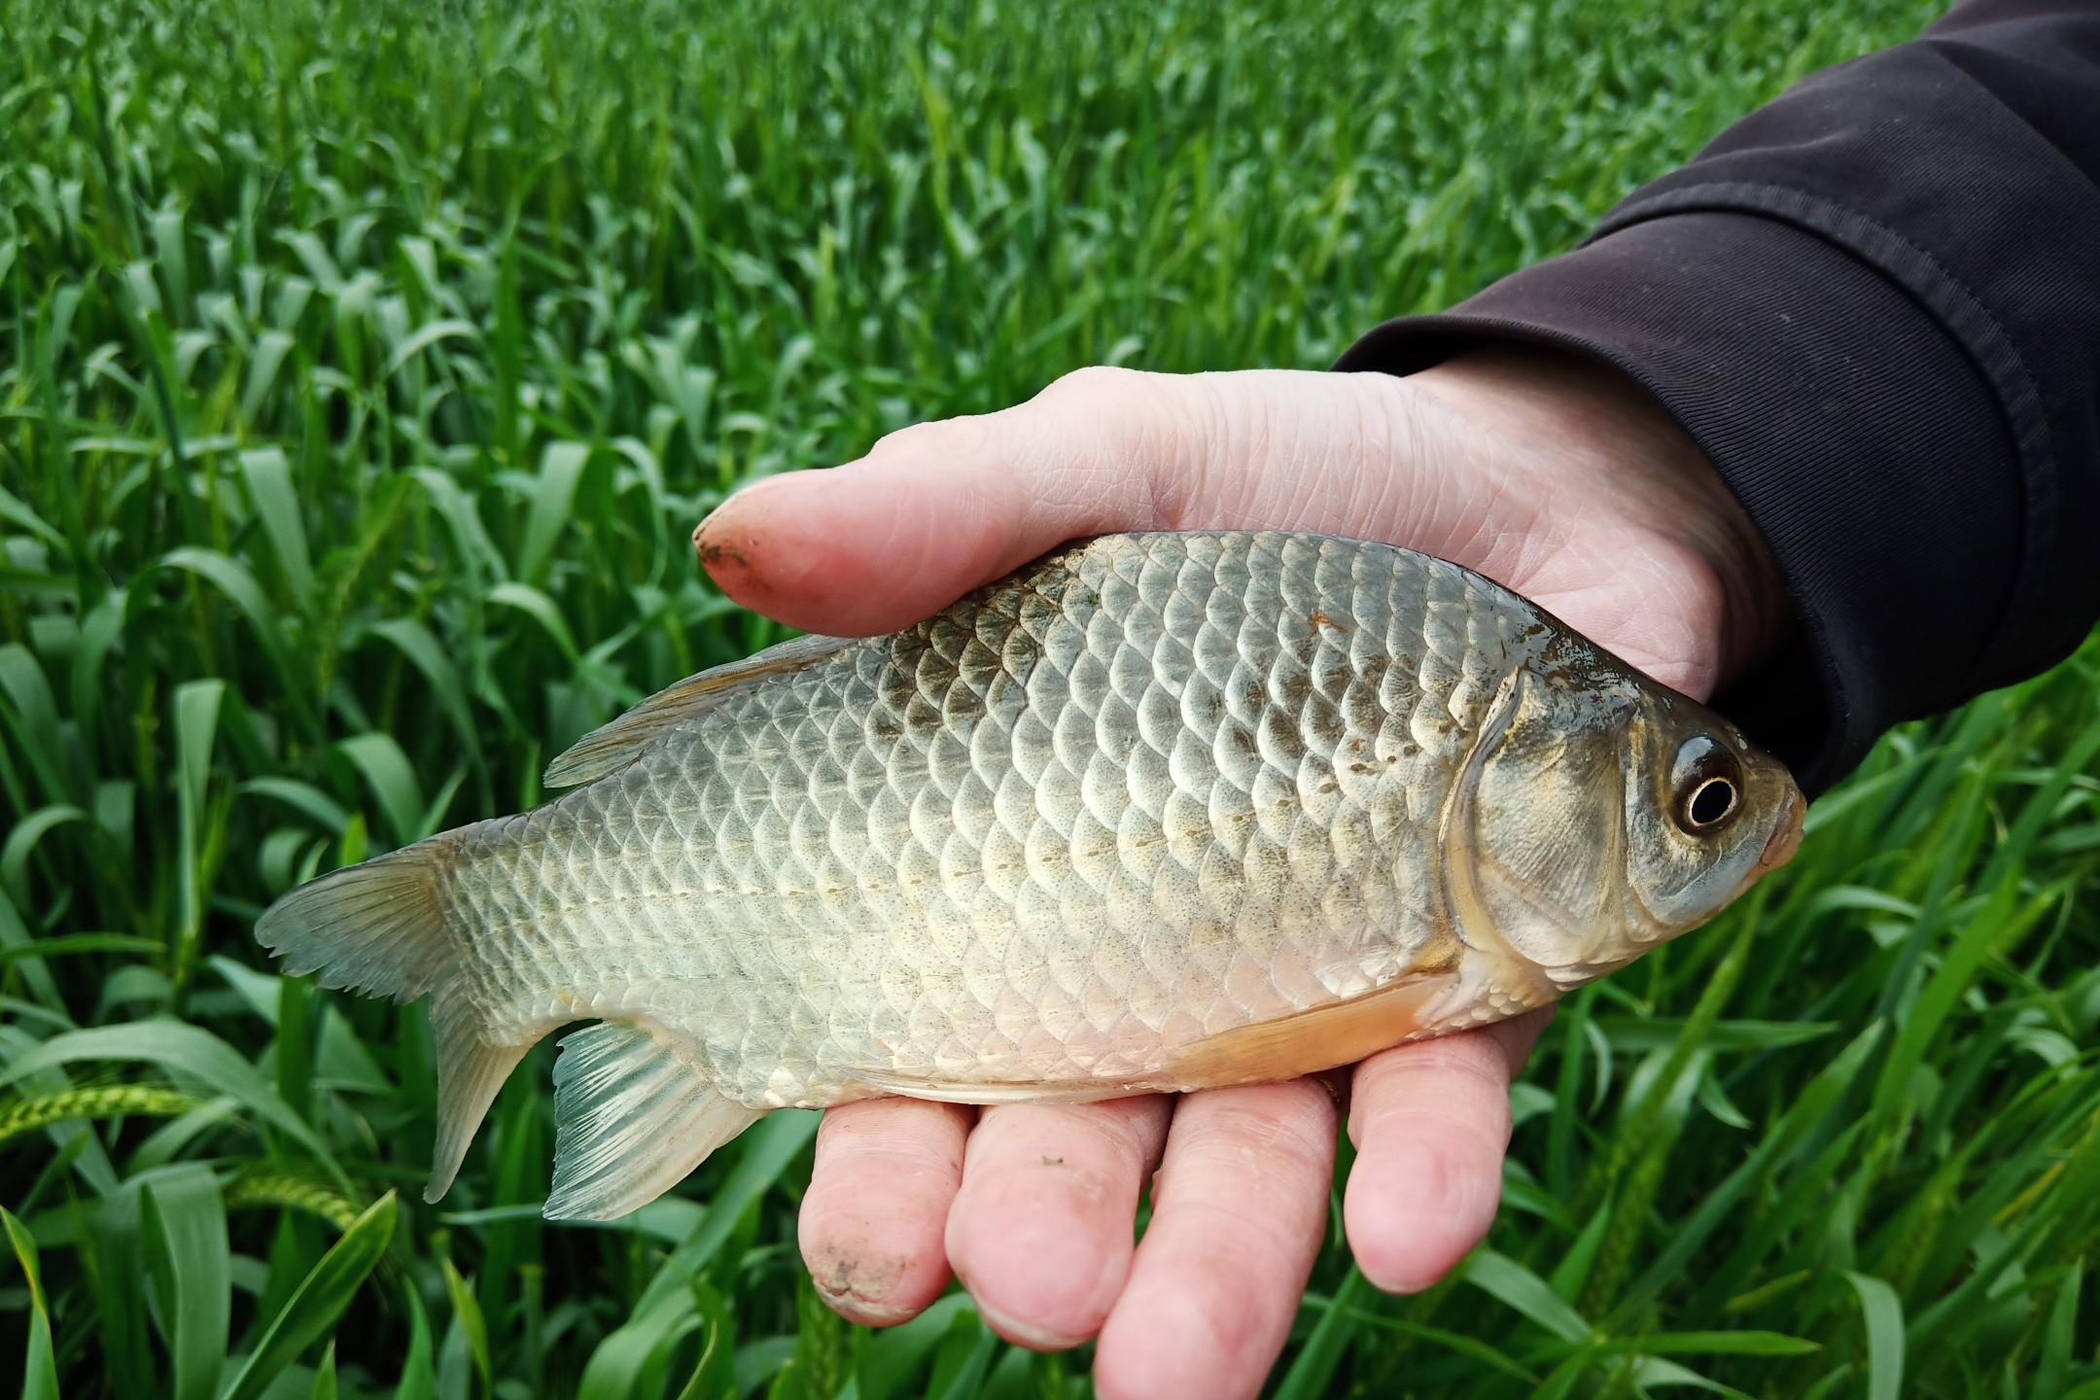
[(380, 928), (374, 928)]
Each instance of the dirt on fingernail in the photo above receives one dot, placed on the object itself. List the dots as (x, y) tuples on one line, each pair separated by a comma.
[(860, 1285), (715, 551)]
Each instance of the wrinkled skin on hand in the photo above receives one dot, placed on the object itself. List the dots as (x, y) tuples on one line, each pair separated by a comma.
[(1562, 481)]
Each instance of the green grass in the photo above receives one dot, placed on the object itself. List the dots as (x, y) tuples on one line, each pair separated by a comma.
[(363, 367)]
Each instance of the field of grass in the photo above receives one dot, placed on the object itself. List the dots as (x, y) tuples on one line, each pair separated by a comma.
[(364, 365)]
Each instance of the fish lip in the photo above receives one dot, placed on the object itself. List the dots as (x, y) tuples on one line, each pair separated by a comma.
[(1786, 835)]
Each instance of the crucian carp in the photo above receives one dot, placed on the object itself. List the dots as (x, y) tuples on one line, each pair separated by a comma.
[(1156, 812)]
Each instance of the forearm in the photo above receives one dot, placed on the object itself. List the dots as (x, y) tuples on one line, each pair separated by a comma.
[(1874, 305)]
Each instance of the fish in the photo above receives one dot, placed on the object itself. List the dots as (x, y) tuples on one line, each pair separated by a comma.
[(1154, 813)]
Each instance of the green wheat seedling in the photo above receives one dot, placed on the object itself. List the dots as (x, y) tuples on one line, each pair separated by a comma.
[(363, 369)]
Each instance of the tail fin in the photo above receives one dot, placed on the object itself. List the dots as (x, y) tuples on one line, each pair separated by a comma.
[(380, 928), (374, 928)]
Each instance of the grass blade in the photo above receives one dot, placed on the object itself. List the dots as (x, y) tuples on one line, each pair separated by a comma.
[(1506, 1280), (180, 1050), (39, 1369), (561, 467), (1883, 1314), (468, 1311), (268, 474), (187, 1251), (767, 1150), (313, 1309), (1311, 1374)]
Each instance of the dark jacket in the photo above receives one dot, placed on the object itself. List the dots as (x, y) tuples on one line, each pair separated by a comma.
[(1875, 303)]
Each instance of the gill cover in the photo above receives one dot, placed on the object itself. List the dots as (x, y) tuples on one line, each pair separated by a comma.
[(1605, 814), (1545, 829)]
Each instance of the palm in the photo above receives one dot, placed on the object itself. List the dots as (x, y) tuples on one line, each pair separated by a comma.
[(1629, 540)]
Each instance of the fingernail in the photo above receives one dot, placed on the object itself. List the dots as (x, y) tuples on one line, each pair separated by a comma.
[(868, 1314), (1022, 1333), (849, 1286), (714, 537), (716, 546)]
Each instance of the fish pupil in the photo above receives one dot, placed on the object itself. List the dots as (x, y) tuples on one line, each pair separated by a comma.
[(1712, 802)]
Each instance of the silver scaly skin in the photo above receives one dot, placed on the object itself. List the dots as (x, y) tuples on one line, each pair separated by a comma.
[(1156, 812)]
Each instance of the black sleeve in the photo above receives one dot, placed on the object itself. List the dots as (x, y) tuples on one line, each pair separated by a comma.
[(1875, 303)]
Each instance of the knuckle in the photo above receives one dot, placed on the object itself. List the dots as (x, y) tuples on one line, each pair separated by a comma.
[(1244, 1235), (1471, 1058), (1127, 1133), (1095, 382), (1293, 1142), (1284, 1140), (1388, 419), (1094, 1150), (938, 437), (1458, 1135), (893, 1129), (1450, 1092)]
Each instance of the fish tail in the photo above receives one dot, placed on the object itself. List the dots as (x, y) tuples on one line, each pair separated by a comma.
[(380, 927), (376, 927)]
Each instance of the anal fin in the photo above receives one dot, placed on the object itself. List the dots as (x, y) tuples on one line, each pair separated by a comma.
[(631, 1120)]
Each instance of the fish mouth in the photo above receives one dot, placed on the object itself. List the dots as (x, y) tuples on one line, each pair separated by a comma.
[(1786, 836)]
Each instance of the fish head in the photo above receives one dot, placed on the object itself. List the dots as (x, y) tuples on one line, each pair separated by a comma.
[(1608, 814)]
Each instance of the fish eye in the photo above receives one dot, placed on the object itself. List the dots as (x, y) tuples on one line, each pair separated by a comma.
[(1708, 783), (1712, 803)]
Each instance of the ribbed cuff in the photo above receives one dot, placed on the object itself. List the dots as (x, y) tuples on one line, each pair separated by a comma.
[(1861, 438)]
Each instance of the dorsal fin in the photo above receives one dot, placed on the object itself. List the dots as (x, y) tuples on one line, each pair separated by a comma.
[(611, 747)]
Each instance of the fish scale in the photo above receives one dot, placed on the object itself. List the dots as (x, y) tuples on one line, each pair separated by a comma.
[(926, 929), (1156, 811)]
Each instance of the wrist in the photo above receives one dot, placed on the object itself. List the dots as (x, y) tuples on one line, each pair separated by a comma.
[(1586, 440)]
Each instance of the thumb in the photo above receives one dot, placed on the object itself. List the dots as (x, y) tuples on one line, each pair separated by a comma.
[(934, 510)]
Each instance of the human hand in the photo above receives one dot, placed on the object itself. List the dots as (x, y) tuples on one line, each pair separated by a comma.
[(1557, 479)]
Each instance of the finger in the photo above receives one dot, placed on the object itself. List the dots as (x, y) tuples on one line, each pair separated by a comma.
[(1041, 1232), (1430, 1122), (1518, 1035), (936, 509), (871, 1224), (1238, 1214)]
